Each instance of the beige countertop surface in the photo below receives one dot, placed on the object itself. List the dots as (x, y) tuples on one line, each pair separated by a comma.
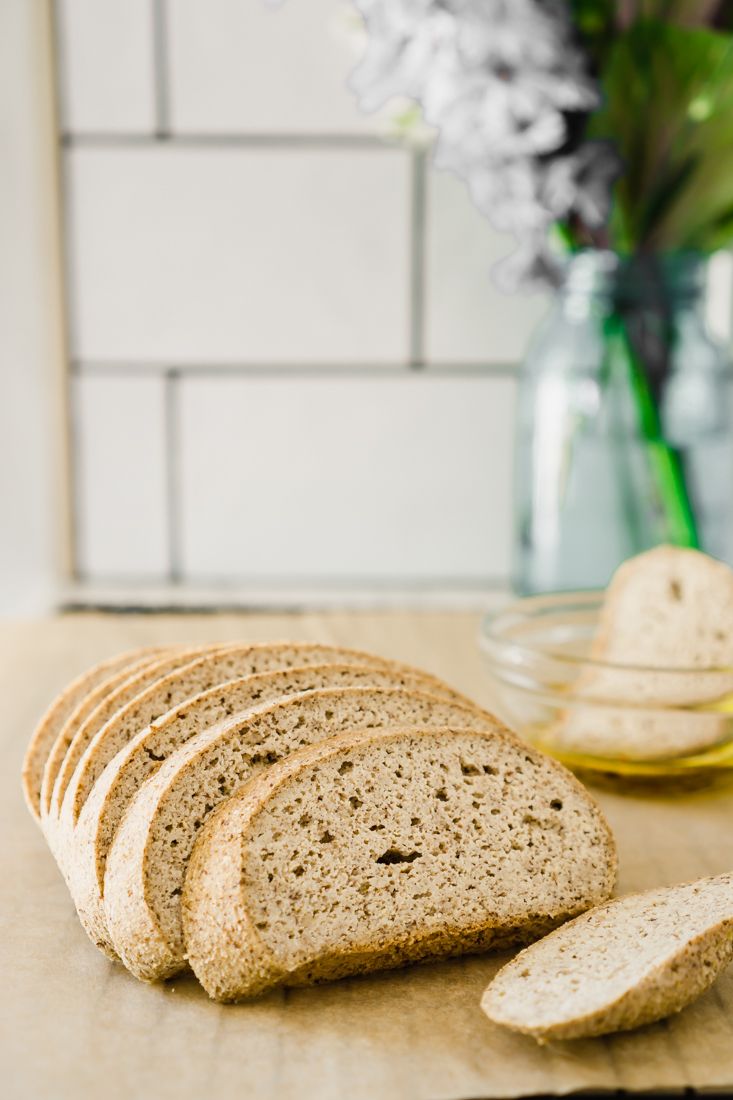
[(73, 1024)]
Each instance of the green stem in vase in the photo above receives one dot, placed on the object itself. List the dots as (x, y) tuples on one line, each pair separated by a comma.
[(668, 475)]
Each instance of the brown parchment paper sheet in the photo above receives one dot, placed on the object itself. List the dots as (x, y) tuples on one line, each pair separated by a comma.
[(74, 1025)]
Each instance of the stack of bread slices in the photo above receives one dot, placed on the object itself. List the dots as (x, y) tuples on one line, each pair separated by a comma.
[(283, 813)]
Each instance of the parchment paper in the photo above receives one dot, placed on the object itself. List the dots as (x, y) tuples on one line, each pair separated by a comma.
[(74, 1025)]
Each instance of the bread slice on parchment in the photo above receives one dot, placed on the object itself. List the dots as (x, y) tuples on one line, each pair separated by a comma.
[(665, 637), (379, 848), (60, 710), (147, 862), (630, 962), (112, 792), (132, 710)]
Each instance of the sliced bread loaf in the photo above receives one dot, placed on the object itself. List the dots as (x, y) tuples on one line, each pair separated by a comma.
[(208, 669), (144, 754), (48, 728), (668, 613), (630, 962), (148, 858), (377, 848)]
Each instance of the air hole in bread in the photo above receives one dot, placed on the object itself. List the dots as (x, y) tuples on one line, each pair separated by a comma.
[(393, 855), (441, 794), (556, 804)]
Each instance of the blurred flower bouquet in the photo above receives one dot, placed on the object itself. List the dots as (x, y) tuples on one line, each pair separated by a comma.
[(601, 129)]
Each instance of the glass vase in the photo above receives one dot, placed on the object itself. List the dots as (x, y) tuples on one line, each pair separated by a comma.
[(624, 423)]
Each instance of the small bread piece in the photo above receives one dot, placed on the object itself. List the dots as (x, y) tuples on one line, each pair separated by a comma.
[(630, 962), (148, 858), (670, 610), (143, 755), (54, 718), (382, 847)]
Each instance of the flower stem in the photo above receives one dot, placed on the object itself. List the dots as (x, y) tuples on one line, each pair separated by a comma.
[(667, 472)]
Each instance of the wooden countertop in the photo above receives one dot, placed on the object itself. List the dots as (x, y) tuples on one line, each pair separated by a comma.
[(74, 1025)]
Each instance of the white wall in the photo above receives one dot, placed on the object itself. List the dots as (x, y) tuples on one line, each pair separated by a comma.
[(32, 475), (288, 369), (290, 365)]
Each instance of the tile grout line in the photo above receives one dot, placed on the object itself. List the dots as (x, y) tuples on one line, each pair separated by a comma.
[(386, 371), (172, 472), (75, 467), (161, 82), (417, 259), (69, 284), (214, 140)]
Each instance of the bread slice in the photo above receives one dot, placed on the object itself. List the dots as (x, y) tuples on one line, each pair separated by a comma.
[(209, 669), (113, 701), (54, 718), (630, 962), (378, 848), (668, 613), (148, 858), (143, 755)]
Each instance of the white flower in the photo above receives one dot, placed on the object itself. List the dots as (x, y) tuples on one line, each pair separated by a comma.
[(497, 80)]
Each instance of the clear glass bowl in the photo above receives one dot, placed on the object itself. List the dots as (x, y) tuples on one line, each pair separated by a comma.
[(612, 723)]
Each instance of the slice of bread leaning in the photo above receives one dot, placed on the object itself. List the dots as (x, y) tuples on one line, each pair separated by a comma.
[(147, 862), (665, 637), (139, 759), (380, 847), (630, 962)]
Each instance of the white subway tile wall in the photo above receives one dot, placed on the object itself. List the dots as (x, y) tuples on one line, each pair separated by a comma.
[(106, 51), (344, 478), (467, 317), (223, 255), (288, 362), (121, 477), (246, 65)]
